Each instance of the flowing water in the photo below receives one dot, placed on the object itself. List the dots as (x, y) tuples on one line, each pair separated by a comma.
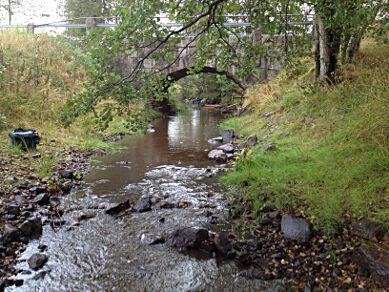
[(105, 253)]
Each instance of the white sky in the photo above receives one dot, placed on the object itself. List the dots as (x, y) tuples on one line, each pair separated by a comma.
[(34, 11)]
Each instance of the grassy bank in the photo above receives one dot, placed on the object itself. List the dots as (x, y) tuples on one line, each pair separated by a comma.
[(331, 144)]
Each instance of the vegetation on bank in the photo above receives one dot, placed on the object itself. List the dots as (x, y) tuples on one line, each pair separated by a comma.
[(330, 160), (43, 84)]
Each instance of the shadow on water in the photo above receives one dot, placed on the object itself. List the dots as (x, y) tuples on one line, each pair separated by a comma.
[(105, 253)]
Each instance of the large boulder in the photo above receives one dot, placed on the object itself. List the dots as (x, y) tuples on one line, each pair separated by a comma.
[(228, 135), (373, 260), (188, 237), (218, 155), (298, 229), (37, 261), (368, 230), (143, 204), (31, 228)]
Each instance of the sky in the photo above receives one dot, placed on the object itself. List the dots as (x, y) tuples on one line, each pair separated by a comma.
[(34, 11)]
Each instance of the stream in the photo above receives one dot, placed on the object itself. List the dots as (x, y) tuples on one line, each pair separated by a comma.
[(105, 253)]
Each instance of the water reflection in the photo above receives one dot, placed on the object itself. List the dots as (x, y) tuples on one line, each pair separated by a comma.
[(179, 140)]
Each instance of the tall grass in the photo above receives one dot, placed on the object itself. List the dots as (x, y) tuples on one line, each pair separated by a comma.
[(37, 74), (334, 163)]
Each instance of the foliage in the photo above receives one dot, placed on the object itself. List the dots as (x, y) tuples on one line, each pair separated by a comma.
[(209, 88), (331, 156)]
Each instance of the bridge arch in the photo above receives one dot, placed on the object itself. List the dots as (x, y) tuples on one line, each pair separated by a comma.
[(184, 72)]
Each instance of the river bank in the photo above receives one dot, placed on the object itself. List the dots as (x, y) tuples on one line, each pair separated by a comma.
[(30, 192)]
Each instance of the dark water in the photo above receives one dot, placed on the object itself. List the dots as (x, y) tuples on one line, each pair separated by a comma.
[(106, 254)]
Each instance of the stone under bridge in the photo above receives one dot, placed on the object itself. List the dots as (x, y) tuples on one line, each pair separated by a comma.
[(185, 52)]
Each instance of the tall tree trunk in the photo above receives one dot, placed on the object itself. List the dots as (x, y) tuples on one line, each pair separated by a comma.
[(9, 12), (329, 45)]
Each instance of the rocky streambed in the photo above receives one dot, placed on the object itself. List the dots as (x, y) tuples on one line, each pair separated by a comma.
[(154, 218)]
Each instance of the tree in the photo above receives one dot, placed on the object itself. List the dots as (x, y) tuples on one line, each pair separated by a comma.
[(88, 8), (9, 7), (339, 26)]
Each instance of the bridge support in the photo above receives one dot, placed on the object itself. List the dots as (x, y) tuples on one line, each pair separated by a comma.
[(30, 28), (90, 24)]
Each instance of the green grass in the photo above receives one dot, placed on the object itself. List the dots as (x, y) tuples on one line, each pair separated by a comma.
[(334, 164)]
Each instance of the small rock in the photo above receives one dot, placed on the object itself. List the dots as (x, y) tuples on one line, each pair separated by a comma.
[(118, 208), (266, 221), (42, 199), (296, 228), (373, 260), (143, 204), (66, 174), (11, 179), (222, 243), (89, 214), (12, 209), (31, 228), (269, 147), (37, 261), (215, 140), (226, 148), (188, 237), (167, 205), (42, 247), (11, 233), (228, 135), (252, 140), (274, 214), (151, 239), (368, 229)]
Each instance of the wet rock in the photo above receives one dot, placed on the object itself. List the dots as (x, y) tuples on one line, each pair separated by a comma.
[(38, 190), (151, 239), (118, 208), (167, 205), (89, 214), (40, 275), (31, 228), (368, 230), (269, 147), (150, 128), (37, 261), (2, 285), (226, 148), (252, 140), (373, 260), (188, 237), (12, 209), (218, 155), (10, 233), (296, 228), (42, 247), (215, 140), (227, 135), (222, 243), (42, 199), (143, 204)]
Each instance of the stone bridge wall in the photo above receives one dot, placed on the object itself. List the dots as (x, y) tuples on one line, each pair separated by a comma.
[(265, 69)]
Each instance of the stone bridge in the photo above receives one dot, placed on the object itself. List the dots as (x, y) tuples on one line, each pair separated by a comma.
[(185, 52)]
